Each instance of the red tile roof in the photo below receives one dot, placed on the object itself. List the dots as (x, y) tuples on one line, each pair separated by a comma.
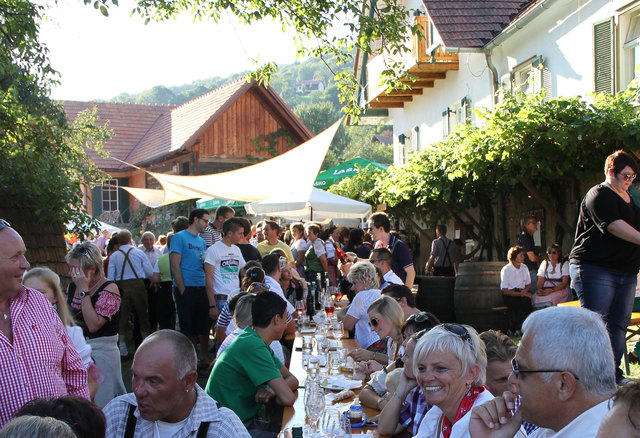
[(177, 129), (129, 122), (473, 23), (146, 132)]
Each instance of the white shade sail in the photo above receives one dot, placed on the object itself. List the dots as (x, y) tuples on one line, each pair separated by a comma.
[(309, 204), (252, 183)]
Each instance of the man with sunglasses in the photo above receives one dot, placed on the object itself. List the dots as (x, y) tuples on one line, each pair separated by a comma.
[(38, 358), (381, 258), (562, 390)]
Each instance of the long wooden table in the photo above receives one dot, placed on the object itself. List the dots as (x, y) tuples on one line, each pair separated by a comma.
[(295, 415)]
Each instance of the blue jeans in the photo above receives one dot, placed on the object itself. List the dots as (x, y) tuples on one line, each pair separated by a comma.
[(609, 292)]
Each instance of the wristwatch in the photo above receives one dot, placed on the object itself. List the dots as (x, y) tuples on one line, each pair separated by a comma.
[(83, 293)]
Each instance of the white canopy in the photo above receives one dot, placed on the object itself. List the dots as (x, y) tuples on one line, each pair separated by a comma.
[(308, 203), (253, 183)]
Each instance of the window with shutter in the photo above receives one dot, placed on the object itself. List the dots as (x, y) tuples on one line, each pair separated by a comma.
[(531, 77), (604, 56), (110, 195), (629, 65)]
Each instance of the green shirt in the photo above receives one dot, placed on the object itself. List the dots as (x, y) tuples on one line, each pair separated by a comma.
[(164, 268), (244, 367)]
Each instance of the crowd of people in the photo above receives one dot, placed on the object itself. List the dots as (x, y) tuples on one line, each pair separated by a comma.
[(62, 351)]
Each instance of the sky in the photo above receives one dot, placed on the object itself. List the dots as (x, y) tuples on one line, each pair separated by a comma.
[(100, 57)]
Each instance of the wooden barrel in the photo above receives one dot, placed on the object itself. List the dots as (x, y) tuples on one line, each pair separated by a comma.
[(477, 295), (435, 295)]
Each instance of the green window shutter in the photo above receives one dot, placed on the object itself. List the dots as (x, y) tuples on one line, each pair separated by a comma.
[(604, 56), (123, 200), (96, 201)]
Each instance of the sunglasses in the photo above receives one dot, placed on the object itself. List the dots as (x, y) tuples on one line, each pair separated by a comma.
[(517, 370), (552, 252), (417, 317), (460, 331), (4, 224), (374, 322), (629, 176)]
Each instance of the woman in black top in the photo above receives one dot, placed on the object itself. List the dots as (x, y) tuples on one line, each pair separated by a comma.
[(606, 253), (95, 305)]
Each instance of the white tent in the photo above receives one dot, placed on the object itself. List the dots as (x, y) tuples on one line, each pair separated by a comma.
[(251, 183), (310, 204)]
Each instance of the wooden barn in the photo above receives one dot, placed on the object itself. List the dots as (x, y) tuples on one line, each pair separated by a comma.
[(225, 129)]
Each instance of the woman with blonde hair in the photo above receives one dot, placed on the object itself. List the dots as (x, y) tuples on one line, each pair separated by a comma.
[(95, 304), (47, 282), (364, 283), (450, 364)]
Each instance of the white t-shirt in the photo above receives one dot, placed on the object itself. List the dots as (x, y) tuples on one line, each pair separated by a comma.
[(331, 250), (226, 261), (391, 278), (163, 429), (512, 278), (358, 310), (274, 286), (299, 245), (318, 247)]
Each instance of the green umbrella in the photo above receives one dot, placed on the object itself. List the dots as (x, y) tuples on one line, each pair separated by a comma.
[(213, 203), (345, 170)]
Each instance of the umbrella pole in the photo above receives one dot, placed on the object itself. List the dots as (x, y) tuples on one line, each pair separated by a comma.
[(311, 214)]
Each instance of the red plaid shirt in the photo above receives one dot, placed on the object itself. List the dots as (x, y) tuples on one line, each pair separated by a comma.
[(41, 362)]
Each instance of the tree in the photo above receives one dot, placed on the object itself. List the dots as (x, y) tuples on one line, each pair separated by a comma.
[(526, 144), (43, 163), (325, 29)]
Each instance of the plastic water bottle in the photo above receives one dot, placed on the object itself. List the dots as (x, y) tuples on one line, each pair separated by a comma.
[(355, 412)]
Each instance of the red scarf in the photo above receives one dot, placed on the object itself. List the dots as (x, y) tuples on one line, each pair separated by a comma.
[(465, 406)]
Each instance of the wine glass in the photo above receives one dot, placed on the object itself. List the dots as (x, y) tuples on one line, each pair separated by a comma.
[(314, 405), (337, 330), (300, 307), (331, 424), (328, 306)]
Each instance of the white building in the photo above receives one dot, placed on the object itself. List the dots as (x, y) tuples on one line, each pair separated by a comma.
[(473, 49)]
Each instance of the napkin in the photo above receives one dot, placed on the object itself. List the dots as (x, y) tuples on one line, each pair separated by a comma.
[(341, 381)]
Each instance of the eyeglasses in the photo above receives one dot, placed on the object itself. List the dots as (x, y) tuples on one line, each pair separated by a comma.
[(459, 330), (373, 261), (374, 322), (4, 224), (516, 370), (552, 252), (629, 176)]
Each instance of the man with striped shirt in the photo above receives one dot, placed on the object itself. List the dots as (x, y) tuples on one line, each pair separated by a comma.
[(38, 358)]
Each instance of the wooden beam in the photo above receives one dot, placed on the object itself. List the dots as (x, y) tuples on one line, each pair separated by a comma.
[(398, 92), (421, 84), (426, 75), (374, 104), (386, 98), (434, 67)]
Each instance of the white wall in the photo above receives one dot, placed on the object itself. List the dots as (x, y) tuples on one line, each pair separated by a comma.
[(562, 35)]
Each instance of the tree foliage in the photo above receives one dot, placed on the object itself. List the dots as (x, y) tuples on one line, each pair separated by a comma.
[(525, 143), (43, 163), (325, 29)]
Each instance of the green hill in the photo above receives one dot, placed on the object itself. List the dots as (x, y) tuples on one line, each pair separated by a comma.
[(317, 109)]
